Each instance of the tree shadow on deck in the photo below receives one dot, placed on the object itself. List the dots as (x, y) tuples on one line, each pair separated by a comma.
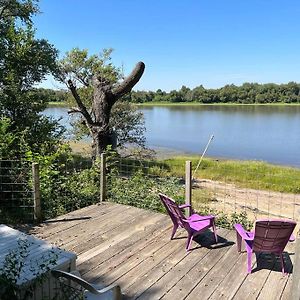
[(66, 220), (30, 228)]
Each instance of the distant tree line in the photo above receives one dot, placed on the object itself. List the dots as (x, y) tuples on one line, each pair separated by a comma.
[(247, 93), (50, 95)]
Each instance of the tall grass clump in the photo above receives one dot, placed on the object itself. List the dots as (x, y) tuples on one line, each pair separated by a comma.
[(247, 174)]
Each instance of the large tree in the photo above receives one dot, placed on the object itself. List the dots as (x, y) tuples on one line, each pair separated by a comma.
[(96, 85), (24, 62)]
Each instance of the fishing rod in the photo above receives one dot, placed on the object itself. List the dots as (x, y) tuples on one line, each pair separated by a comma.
[(200, 160)]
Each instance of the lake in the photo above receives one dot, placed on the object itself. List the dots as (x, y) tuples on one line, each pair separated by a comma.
[(252, 132)]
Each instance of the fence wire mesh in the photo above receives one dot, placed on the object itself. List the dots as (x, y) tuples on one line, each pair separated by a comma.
[(75, 183), (256, 193), (68, 186), (137, 183), (16, 192)]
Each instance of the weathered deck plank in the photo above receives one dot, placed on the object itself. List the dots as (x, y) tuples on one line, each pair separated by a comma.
[(125, 250), (125, 258), (174, 285), (233, 279), (85, 228), (210, 282), (274, 286), (287, 289), (132, 247)]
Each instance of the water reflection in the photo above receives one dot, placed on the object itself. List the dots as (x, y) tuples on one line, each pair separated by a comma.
[(240, 109)]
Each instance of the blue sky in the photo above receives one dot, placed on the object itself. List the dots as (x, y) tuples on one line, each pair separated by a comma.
[(182, 42)]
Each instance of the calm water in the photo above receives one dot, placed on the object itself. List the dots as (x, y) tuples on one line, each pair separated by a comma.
[(269, 133)]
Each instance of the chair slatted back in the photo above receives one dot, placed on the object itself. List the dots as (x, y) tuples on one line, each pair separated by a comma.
[(272, 235), (173, 210)]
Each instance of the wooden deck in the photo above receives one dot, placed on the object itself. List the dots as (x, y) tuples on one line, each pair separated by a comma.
[(131, 247)]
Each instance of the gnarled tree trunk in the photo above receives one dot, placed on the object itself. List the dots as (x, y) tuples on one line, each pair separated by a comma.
[(104, 97)]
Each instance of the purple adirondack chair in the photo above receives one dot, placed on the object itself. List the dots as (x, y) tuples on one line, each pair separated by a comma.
[(194, 225), (269, 236)]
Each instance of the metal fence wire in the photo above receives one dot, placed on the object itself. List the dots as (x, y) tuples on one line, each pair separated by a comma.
[(138, 182), (269, 195), (76, 183), (16, 192)]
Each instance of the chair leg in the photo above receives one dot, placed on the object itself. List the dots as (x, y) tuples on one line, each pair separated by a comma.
[(249, 261), (282, 263), (189, 242), (174, 231), (238, 242), (215, 231)]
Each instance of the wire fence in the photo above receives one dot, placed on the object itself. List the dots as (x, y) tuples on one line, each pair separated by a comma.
[(16, 192), (137, 183), (267, 195), (68, 185), (75, 183)]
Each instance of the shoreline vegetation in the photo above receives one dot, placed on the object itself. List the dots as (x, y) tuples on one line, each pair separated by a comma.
[(65, 104), (257, 175), (230, 94), (215, 104)]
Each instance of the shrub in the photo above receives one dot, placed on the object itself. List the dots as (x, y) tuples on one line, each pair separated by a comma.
[(142, 191)]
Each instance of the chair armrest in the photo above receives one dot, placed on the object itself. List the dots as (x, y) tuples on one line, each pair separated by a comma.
[(292, 238), (246, 235), (77, 279), (86, 285), (199, 219), (184, 206)]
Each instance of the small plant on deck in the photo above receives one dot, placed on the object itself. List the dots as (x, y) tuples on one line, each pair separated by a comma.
[(13, 268)]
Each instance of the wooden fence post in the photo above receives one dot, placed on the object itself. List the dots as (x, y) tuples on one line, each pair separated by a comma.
[(103, 178), (36, 191), (188, 185), (295, 290)]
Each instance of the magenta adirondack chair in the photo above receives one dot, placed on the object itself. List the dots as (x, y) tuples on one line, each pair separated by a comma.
[(269, 236), (194, 225)]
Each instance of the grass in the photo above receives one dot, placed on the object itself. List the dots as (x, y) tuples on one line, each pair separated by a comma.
[(247, 174), (81, 147)]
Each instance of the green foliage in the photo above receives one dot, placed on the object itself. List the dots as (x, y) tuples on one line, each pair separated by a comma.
[(7, 138), (77, 65), (15, 191), (24, 62), (140, 188), (226, 220), (13, 268), (248, 93), (19, 9), (142, 191), (50, 96), (67, 182), (126, 123)]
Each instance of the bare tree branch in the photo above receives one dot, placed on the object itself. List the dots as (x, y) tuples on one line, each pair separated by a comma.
[(81, 106), (129, 82)]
